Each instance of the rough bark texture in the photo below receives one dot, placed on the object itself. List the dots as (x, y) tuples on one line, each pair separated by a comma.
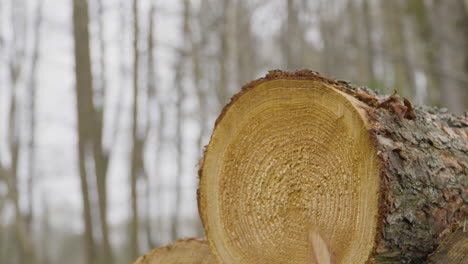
[(424, 167), (454, 249)]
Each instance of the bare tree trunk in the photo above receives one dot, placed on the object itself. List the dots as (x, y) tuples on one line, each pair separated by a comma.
[(159, 153), (292, 38), (3, 233), (287, 40), (246, 58), (326, 30), (23, 235), (134, 228), (6, 245), (85, 110), (223, 53), (45, 232), (400, 49), (179, 77), (160, 139), (178, 142), (158, 107), (101, 157), (451, 41), (32, 111), (196, 70), (369, 44), (151, 92), (16, 66)]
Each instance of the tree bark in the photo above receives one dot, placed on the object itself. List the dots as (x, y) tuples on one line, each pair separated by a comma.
[(136, 141), (450, 40), (222, 90), (370, 56), (380, 180), (178, 146), (32, 115), (292, 40), (84, 111), (151, 93), (10, 173), (196, 70), (101, 157)]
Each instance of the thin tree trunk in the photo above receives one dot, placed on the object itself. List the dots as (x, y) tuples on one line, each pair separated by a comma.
[(394, 23), (178, 143), (24, 237), (32, 114), (101, 157), (151, 93), (180, 118), (451, 41), (159, 107), (45, 232), (134, 227), (197, 73), (85, 111), (244, 50), (291, 38), (16, 67), (326, 30), (369, 43), (223, 53)]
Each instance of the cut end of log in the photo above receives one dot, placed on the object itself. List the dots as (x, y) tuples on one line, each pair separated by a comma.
[(185, 251), (291, 153)]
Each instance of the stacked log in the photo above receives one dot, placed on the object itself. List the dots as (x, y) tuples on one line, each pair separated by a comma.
[(302, 168), (184, 251)]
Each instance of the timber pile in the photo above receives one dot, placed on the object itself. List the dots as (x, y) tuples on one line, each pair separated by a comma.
[(301, 168)]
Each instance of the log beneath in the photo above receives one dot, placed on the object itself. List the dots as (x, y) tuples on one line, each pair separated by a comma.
[(185, 251), (454, 249), (295, 153)]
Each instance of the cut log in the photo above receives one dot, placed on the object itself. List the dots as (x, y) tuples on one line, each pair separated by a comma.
[(186, 251), (295, 153), (454, 249)]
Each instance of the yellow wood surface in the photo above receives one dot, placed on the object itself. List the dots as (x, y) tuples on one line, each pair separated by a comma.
[(288, 155), (186, 251)]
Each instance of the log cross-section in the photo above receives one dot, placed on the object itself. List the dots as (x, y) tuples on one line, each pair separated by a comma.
[(379, 180)]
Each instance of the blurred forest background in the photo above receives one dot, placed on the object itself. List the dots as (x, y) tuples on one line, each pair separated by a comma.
[(105, 105)]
